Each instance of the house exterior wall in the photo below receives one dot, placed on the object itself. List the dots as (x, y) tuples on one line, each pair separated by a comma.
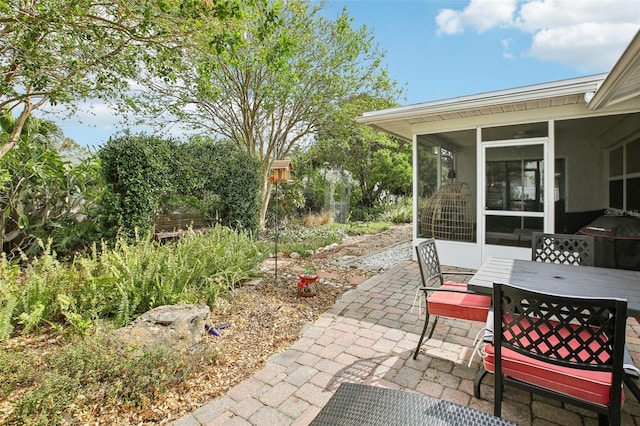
[(586, 163)]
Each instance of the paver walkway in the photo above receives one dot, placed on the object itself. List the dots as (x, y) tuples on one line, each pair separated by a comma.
[(368, 337)]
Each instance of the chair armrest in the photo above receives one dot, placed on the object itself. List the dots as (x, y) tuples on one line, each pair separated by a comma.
[(451, 290), (459, 273)]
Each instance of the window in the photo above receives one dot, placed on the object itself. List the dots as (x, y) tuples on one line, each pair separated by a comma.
[(624, 176)]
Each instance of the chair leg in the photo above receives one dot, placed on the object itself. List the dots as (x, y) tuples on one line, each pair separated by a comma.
[(433, 327), (497, 403), (603, 420), (631, 384), (424, 330), (478, 381)]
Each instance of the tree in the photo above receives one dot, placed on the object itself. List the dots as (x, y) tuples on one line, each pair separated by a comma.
[(380, 163), (272, 89), (62, 51), (44, 194)]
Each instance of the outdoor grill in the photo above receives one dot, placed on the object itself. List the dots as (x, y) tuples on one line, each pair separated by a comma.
[(617, 241)]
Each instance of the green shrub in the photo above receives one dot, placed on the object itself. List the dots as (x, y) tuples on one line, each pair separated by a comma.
[(17, 367), (366, 228), (217, 178), (9, 273), (136, 172), (142, 275), (42, 192), (124, 281), (302, 240), (401, 212)]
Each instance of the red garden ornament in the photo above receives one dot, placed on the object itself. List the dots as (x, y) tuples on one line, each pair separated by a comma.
[(308, 285)]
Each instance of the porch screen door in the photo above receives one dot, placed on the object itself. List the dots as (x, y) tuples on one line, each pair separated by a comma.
[(513, 196)]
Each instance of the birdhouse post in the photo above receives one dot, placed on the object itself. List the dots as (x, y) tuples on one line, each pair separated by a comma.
[(281, 173)]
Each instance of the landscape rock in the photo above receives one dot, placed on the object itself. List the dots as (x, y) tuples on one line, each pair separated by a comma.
[(179, 327), (331, 247)]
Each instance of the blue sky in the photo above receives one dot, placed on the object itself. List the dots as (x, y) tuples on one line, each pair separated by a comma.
[(447, 48)]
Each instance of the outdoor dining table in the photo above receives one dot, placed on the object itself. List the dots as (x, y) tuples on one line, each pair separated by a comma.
[(552, 278), (357, 404)]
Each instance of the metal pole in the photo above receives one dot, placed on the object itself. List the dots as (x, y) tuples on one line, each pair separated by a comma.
[(276, 267)]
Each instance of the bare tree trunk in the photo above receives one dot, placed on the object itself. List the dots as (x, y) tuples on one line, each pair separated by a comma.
[(15, 132), (265, 196), (18, 125)]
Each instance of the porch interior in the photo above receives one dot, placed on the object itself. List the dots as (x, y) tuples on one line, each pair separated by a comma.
[(597, 173)]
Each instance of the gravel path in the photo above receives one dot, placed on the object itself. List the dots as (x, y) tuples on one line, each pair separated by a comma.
[(388, 258)]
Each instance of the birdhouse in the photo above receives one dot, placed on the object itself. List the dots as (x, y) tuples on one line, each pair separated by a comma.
[(281, 171)]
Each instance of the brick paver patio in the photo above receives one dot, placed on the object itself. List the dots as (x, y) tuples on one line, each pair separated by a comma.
[(369, 337)]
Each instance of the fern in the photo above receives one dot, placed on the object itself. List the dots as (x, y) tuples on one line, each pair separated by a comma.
[(9, 272), (7, 307), (31, 320), (124, 281)]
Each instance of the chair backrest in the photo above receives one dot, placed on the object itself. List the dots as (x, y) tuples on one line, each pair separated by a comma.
[(429, 263), (582, 333), (568, 249)]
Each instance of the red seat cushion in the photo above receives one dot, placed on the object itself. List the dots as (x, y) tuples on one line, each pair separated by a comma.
[(453, 304), (593, 386)]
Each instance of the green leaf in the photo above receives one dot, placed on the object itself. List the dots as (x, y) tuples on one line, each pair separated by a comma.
[(23, 221)]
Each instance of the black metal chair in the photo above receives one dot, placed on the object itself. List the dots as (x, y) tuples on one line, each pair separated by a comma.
[(448, 299), (566, 348), (577, 250), (566, 249)]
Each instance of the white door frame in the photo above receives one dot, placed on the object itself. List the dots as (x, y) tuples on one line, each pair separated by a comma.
[(548, 201)]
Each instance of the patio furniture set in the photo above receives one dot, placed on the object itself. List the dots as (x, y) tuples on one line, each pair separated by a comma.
[(555, 326)]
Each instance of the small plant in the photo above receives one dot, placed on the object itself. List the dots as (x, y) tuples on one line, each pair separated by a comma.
[(309, 271)]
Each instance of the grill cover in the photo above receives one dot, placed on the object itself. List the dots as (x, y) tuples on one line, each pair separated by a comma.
[(617, 241)]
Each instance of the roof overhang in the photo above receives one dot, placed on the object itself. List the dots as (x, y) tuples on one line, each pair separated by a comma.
[(623, 82), (399, 121), (601, 91)]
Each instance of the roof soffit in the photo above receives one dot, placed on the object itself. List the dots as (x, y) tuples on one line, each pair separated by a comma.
[(398, 121)]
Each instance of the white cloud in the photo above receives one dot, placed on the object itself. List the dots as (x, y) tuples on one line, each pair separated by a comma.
[(506, 49), (449, 22), (587, 47), (588, 35), (100, 114), (481, 15)]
